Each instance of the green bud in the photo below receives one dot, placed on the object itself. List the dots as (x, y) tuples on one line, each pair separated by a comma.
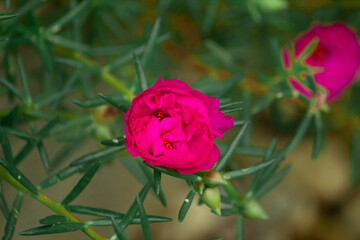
[(213, 178), (200, 187), (272, 5), (211, 197), (253, 210)]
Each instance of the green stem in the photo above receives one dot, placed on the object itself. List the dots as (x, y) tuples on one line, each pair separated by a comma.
[(48, 202)]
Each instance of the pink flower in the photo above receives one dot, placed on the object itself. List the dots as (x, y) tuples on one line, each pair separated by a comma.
[(173, 125), (335, 60)]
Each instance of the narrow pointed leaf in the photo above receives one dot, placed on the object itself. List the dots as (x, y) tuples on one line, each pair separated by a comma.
[(114, 142), (319, 136), (119, 232), (4, 16), (18, 176), (44, 156), (251, 151), (4, 141), (271, 183), (355, 159), (18, 133), (53, 228), (231, 150), (7, 5), (122, 105), (246, 171), (150, 43), (239, 228), (157, 181), (300, 133), (140, 73), (12, 88), (144, 220), (13, 217), (103, 222), (24, 79), (81, 185), (61, 175), (100, 212), (53, 219), (186, 205), (3, 205), (97, 101), (150, 178), (189, 177), (97, 155), (210, 16), (59, 24)]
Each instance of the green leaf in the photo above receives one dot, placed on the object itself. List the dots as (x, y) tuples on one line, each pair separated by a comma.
[(264, 174), (246, 171), (220, 53), (189, 177), (7, 5), (18, 176), (97, 155), (157, 181), (54, 228), (12, 88), (218, 238), (150, 43), (210, 16), (61, 175), (73, 13), (119, 232), (31, 144), (319, 135), (231, 150), (4, 141), (44, 156), (24, 79), (122, 104), (355, 159), (103, 222), (3, 205), (100, 212), (77, 122), (97, 101), (271, 183), (128, 57), (81, 185), (310, 47), (38, 114), (13, 217), (78, 64), (53, 219), (114, 142), (239, 228), (186, 205), (150, 178), (251, 151), (300, 133), (140, 73), (4, 16), (144, 220), (20, 134), (131, 213)]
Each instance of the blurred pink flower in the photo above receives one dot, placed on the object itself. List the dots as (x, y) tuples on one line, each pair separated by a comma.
[(173, 125), (335, 60)]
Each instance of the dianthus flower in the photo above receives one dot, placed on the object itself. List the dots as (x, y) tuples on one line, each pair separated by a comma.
[(335, 60), (174, 126)]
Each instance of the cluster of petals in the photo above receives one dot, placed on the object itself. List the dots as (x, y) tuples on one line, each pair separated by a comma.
[(174, 126), (335, 60)]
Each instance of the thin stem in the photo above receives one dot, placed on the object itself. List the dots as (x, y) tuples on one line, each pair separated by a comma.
[(48, 202)]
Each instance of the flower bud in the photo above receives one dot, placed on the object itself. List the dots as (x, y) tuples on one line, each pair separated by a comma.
[(253, 210), (213, 178), (200, 187), (101, 132), (211, 197)]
